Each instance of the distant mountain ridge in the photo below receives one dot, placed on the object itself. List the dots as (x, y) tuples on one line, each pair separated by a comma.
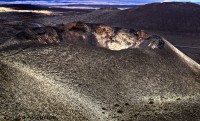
[(170, 16)]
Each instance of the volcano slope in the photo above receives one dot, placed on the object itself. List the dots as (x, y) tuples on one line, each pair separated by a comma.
[(96, 73), (167, 16), (176, 21)]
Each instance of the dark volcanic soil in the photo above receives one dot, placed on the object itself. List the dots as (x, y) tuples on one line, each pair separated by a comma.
[(75, 81)]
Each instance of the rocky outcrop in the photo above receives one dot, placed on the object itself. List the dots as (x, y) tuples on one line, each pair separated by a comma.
[(31, 37), (43, 35), (98, 35), (112, 38), (10, 28)]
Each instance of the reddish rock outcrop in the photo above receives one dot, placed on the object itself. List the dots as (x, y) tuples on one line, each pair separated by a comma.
[(98, 35), (105, 36)]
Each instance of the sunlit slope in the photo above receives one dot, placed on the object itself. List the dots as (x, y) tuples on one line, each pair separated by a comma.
[(88, 83)]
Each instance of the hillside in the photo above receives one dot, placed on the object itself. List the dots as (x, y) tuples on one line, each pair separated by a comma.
[(177, 22), (80, 82), (59, 71), (172, 16)]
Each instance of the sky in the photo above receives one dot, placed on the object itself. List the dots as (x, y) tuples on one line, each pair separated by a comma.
[(90, 3), (104, 1)]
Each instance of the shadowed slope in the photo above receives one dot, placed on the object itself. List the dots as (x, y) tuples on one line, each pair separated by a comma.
[(172, 16)]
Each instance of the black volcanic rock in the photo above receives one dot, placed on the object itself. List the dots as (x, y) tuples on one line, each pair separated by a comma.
[(31, 37)]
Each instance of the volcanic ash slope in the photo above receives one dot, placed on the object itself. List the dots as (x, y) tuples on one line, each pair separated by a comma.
[(83, 81)]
